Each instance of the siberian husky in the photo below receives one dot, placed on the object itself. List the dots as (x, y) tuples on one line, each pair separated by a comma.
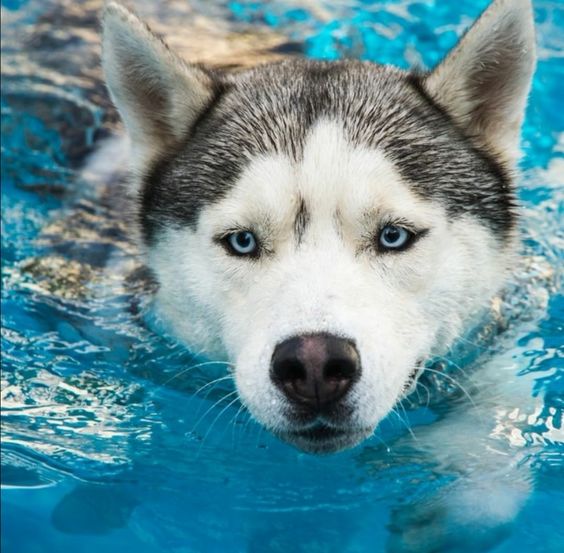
[(326, 227)]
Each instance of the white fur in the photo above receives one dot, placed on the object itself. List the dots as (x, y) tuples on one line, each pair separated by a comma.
[(397, 307)]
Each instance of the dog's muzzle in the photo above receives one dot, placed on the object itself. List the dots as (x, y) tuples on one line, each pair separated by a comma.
[(315, 372)]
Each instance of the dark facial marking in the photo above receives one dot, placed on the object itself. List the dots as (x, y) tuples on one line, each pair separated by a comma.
[(301, 222), (270, 110), (338, 222)]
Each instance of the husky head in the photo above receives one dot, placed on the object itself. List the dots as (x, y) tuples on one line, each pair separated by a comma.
[(326, 227)]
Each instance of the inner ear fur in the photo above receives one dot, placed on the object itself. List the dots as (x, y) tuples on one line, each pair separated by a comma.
[(484, 82), (158, 95)]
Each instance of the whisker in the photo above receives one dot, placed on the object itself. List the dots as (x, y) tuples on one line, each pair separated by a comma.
[(450, 362), (211, 386), (408, 426), (418, 393), (221, 379), (454, 381), (215, 421), (193, 367), (394, 412), (481, 347), (381, 440), (215, 403), (246, 425), (426, 388), (259, 434), (233, 422)]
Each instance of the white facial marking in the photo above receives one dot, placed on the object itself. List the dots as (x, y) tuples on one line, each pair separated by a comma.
[(397, 307)]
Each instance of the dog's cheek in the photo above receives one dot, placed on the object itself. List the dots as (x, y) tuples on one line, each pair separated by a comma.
[(471, 271), (449, 277), (187, 300), (390, 349)]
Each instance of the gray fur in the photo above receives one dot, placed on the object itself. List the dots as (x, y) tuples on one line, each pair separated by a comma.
[(452, 133), (270, 109)]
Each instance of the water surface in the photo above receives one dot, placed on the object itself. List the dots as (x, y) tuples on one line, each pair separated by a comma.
[(109, 442)]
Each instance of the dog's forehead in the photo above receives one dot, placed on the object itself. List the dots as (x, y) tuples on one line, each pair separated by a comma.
[(332, 179), (271, 110)]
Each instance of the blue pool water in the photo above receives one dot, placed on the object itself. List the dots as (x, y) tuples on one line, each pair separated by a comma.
[(109, 444)]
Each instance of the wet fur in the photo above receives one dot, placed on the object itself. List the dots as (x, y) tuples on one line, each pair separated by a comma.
[(315, 157)]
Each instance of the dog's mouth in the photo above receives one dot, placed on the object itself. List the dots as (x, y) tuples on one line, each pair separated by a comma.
[(322, 438), (318, 433)]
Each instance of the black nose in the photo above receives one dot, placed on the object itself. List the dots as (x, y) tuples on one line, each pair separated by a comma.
[(316, 370)]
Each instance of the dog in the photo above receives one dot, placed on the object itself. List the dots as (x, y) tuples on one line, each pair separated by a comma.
[(325, 227)]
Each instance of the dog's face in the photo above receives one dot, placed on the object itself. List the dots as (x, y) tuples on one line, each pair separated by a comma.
[(325, 227), (331, 263)]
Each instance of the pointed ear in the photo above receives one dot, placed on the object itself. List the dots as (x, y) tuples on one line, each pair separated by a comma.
[(157, 94), (484, 81)]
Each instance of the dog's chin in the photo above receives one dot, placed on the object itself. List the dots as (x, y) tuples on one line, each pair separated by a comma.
[(324, 439)]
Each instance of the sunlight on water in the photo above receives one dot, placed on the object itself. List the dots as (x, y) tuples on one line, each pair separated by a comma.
[(112, 430)]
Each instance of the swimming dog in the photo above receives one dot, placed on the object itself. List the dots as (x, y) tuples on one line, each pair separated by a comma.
[(326, 227)]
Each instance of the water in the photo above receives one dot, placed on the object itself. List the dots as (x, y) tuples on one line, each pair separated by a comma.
[(107, 444)]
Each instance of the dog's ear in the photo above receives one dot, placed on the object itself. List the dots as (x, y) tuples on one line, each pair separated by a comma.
[(483, 83), (157, 94)]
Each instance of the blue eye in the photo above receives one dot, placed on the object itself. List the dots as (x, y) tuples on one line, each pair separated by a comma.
[(393, 237), (242, 243)]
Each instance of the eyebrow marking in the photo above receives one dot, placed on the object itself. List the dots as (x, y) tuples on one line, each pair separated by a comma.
[(338, 222), (301, 221)]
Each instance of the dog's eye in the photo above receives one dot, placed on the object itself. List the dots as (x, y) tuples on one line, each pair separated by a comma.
[(242, 243), (395, 238)]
